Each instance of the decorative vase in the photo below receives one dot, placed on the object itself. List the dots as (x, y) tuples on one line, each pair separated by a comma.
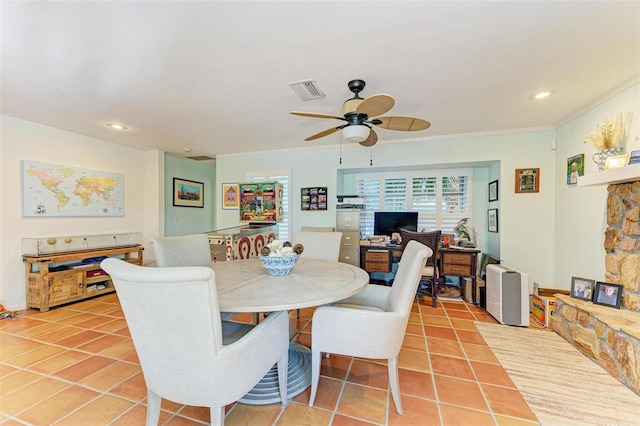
[(278, 265), (600, 157)]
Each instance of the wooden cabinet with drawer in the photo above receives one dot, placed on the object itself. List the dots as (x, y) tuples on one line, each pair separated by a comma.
[(456, 262), (377, 260)]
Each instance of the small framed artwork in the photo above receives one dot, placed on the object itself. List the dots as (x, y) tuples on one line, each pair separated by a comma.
[(608, 294), (575, 168), (313, 198), (634, 157), (616, 161), (492, 220), (230, 196), (527, 180), (493, 191), (188, 193), (582, 288)]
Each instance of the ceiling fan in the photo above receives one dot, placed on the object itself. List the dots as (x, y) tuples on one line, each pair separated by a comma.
[(363, 113)]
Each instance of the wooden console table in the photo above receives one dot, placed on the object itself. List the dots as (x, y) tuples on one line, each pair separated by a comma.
[(460, 263)]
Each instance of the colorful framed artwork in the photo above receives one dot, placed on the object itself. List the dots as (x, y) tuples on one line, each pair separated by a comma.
[(527, 180), (188, 193), (493, 191), (492, 220), (582, 288), (230, 196), (313, 198), (608, 294), (575, 168)]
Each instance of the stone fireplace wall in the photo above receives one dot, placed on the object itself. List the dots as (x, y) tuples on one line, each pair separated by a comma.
[(609, 336), (622, 242)]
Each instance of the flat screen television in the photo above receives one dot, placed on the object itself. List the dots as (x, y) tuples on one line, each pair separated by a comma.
[(386, 223)]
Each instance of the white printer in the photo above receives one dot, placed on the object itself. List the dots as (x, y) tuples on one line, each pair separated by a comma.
[(350, 202)]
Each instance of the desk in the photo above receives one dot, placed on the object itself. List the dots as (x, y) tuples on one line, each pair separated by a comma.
[(244, 286), (460, 263)]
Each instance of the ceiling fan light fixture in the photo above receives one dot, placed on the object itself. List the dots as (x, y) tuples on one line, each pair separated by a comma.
[(356, 132)]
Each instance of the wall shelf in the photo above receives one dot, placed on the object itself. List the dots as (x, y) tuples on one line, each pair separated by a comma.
[(630, 173)]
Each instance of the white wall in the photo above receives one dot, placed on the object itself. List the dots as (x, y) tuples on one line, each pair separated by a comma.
[(22, 140), (526, 236), (581, 211)]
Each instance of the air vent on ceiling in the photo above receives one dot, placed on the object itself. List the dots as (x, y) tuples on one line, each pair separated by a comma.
[(201, 158), (307, 89)]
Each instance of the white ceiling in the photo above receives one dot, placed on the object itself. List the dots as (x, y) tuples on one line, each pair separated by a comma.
[(213, 76)]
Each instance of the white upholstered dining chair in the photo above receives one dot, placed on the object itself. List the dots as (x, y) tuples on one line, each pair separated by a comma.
[(320, 245), (187, 353), (186, 250), (372, 323)]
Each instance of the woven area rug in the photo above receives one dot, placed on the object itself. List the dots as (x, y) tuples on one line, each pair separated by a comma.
[(561, 385)]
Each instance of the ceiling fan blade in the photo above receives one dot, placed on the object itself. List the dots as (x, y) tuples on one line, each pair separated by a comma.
[(371, 140), (324, 133), (376, 105), (316, 115), (409, 124)]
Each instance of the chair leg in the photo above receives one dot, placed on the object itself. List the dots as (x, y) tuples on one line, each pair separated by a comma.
[(434, 291), (283, 377), (153, 408), (217, 416), (315, 375), (395, 383)]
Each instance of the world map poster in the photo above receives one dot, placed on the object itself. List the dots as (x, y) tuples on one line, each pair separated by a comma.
[(50, 190)]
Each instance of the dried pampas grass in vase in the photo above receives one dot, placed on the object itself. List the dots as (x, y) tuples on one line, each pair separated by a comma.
[(610, 135)]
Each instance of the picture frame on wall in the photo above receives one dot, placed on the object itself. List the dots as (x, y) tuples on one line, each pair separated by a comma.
[(493, 191), (608, 294), (492, 220), (313, 198), (188, 193), (575, 168), (527, 180), (582, 288), (230, 196)]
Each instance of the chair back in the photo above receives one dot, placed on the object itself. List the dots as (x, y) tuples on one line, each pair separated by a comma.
[(320, 245), (186, 250), (429, 239), (175, 324), (405, 285), (317, 228)]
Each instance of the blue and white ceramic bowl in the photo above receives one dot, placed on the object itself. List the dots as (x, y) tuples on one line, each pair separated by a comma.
[(278, 265)]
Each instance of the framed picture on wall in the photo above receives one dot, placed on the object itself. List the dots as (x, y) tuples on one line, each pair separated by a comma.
[(492, 220), (230, 196), (575, 168), (493, 191), (313, 198), (188, 193), (527, 180)]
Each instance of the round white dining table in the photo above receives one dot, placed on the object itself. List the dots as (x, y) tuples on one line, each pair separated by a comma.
[(244, 286)]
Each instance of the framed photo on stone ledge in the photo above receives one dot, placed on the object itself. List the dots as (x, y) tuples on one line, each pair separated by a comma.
[(608, 294), (582, 288)]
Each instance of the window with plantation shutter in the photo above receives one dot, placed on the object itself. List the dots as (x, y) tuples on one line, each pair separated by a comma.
[(283, 177), (441, 197)]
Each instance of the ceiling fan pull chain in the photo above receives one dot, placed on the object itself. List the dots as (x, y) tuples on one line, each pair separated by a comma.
[(340, 149), (371, 156)]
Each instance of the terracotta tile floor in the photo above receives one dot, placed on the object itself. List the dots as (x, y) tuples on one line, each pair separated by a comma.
[(76, 365)]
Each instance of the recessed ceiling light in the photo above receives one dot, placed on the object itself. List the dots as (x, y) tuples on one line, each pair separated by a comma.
[(541, 95), (116, 126)]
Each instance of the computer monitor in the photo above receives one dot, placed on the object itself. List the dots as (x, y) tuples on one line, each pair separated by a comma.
[(386, 223)]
